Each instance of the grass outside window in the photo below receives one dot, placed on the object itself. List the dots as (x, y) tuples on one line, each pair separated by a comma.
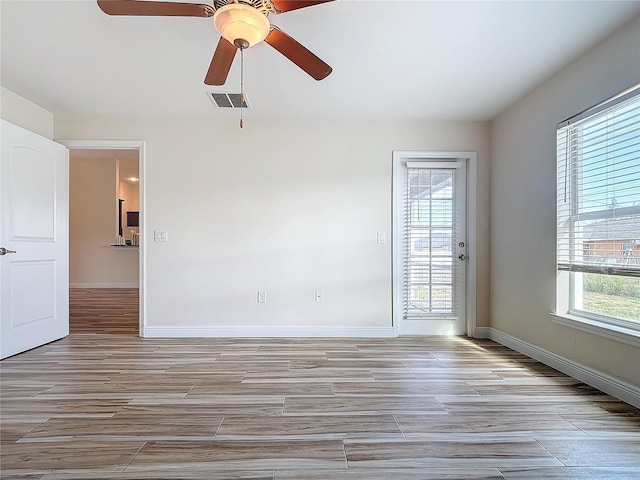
[(612, 296)]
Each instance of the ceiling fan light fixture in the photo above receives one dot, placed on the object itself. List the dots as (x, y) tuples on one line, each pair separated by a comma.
[(240, 24)]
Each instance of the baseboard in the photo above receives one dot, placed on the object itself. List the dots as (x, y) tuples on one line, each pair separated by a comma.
[(613, 386), (482, 332), (260, 332), (104, 285)]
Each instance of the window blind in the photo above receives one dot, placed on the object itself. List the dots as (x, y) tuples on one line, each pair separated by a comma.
[(598, 159), (429, 233)]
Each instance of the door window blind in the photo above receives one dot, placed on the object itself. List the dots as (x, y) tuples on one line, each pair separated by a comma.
[(429, 233), (598, 154)]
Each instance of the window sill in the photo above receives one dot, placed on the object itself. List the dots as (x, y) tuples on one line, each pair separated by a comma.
[(602, 329)]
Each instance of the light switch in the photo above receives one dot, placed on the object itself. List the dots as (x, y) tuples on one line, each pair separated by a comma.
[(382, 237), (160, 236)]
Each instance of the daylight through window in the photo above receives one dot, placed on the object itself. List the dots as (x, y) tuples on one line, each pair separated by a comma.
[(598, 231)]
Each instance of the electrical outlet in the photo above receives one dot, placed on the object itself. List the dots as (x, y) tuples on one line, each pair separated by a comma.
[(319, 296), (262, 296)]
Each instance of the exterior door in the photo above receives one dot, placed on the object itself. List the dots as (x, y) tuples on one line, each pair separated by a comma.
[(34, 240), (430, 246)]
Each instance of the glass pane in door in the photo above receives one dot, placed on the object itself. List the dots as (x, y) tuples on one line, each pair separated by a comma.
[(429, 249)]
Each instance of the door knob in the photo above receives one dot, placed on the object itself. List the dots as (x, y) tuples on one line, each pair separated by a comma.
[(4, 251)]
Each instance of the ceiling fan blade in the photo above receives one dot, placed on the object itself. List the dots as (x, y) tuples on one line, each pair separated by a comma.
[(160, 9), (298, 54), (288, 5), (220, 63)]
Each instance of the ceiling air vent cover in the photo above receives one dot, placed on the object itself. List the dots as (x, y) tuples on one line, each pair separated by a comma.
[(227, 100)]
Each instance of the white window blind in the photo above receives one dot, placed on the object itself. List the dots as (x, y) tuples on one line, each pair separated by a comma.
[(598, 154), (429, 233)]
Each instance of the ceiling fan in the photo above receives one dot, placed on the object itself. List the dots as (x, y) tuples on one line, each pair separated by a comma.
[(241, 24)]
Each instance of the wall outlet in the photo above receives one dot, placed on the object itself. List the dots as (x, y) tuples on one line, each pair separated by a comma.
[(262, 296), (319, 296)]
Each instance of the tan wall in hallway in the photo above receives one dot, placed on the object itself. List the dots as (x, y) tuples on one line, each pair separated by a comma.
[(93, 207)]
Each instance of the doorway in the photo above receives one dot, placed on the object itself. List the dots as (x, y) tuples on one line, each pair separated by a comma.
[(121, 293), (433, 243)]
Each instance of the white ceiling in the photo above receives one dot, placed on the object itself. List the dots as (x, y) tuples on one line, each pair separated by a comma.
[(391, 59)]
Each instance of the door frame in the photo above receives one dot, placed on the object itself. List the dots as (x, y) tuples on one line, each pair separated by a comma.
[(142, 160), (470, 159)]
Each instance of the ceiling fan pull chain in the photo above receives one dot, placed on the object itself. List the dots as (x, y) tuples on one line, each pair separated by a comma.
[(241, 85)]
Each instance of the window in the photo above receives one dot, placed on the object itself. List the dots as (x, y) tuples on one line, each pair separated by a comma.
[(598, 231), (429, 236)]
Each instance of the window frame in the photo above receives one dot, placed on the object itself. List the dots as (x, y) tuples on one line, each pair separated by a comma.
[(566, 313), (456, 169)]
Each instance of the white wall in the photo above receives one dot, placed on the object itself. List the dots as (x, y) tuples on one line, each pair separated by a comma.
[(523, 205), (25, 114), (289, 207), (93, 217)]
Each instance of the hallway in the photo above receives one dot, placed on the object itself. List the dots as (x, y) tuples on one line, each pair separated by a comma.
[(104, 310)]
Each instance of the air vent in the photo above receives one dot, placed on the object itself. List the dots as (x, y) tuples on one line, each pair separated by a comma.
[(227, 100)]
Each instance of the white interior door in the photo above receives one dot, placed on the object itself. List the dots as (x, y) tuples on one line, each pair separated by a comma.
[(430, 246), (34, 240)]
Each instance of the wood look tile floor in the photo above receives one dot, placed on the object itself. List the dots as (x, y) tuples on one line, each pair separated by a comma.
[(103, 403)]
